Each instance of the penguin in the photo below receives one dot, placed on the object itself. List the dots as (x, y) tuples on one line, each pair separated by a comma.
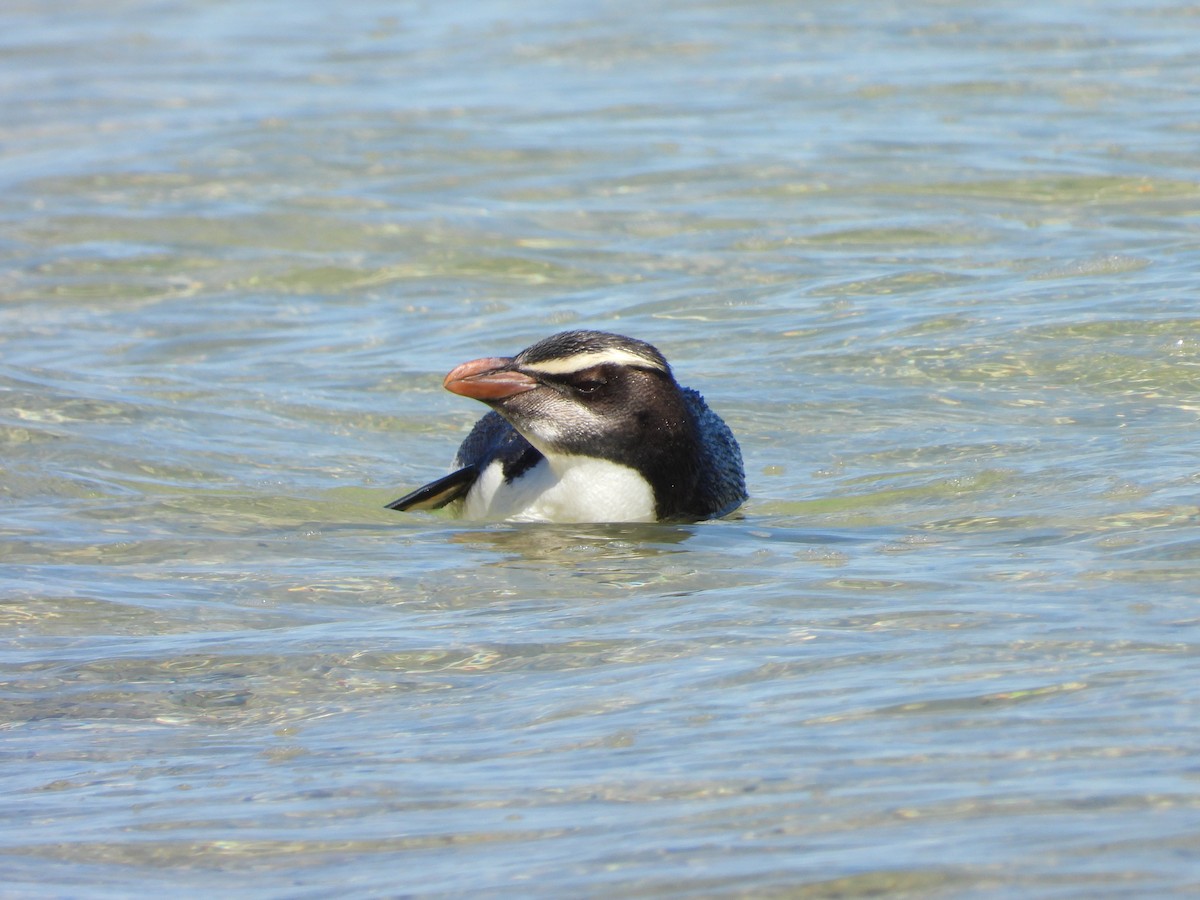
[(586, 426)]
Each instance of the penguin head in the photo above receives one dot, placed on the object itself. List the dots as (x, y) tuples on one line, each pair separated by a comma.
[(582, 393)]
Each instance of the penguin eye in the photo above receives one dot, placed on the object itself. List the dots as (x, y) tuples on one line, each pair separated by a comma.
[(589, 382)]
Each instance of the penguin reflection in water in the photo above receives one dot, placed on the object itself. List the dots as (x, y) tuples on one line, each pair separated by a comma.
[(586, 427)]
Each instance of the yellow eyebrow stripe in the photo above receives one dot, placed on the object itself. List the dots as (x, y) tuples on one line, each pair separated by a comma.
[(580, 361)]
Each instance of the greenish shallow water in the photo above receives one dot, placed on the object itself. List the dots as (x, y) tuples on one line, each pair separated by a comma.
[(935, 265)]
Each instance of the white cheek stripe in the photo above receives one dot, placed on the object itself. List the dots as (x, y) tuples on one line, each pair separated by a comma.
[(581, 361)]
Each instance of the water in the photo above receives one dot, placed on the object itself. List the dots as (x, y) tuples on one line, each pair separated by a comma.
[(935, 265)]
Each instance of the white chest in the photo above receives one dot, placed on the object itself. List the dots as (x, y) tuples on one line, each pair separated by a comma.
[(563, 489)]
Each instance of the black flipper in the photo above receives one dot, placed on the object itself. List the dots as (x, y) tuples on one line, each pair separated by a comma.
[(438, 493), (490, 440)]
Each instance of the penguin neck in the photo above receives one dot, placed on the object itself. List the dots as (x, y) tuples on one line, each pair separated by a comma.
[(669, 459)]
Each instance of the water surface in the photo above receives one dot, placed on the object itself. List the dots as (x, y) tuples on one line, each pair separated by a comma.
[(934, 264)]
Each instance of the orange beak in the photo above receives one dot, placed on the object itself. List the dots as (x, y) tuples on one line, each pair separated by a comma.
[(488, 379)]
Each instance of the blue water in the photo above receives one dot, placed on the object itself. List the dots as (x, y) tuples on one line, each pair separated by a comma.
[(934, 264)]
